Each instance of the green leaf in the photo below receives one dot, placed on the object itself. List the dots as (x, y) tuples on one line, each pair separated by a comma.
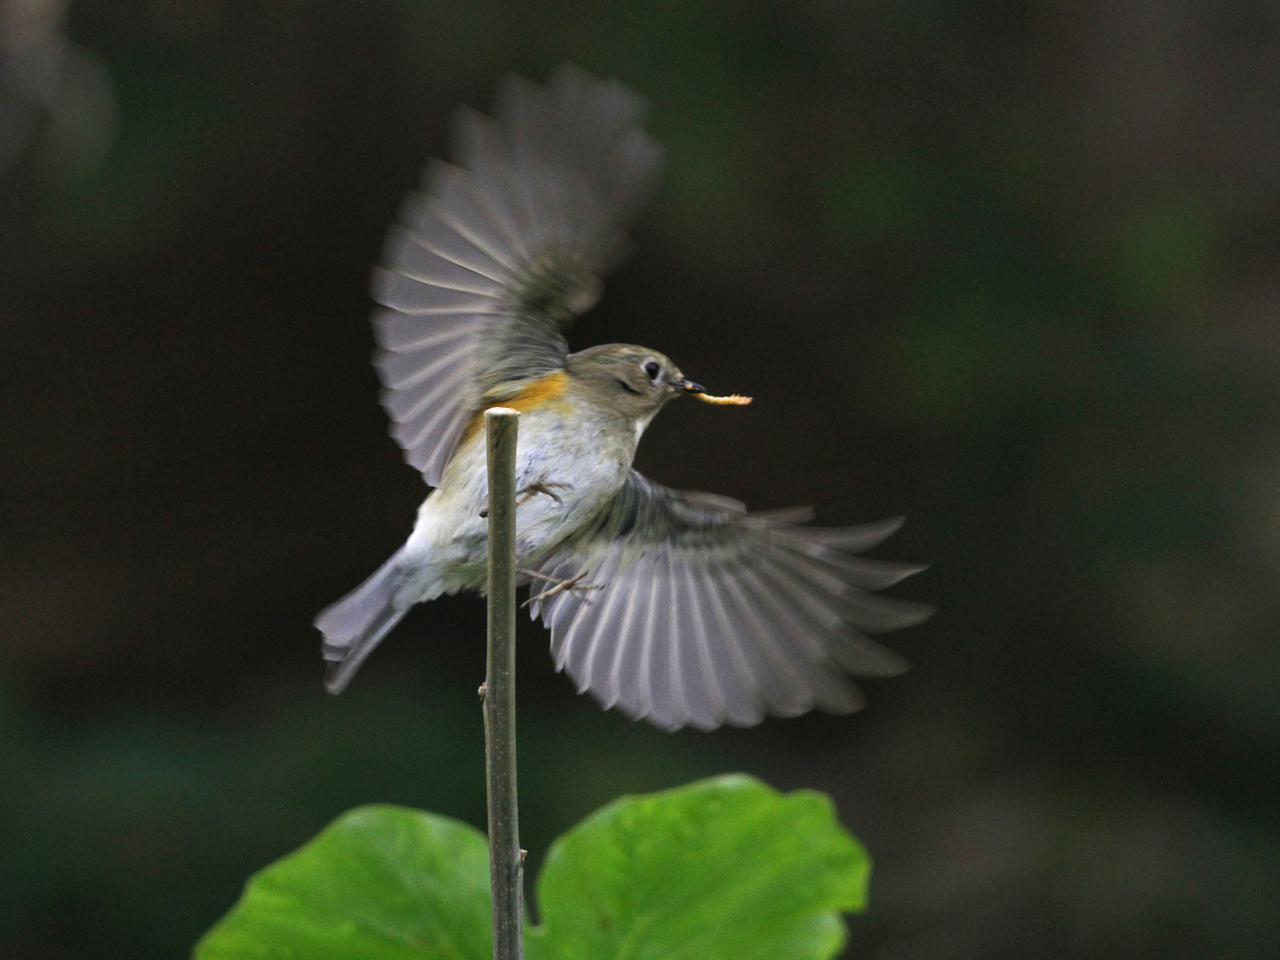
[(379, 882), (722, 868)]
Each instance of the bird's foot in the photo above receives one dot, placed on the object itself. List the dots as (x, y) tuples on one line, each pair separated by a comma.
[(574, 585), (532, 490), (547, 487)]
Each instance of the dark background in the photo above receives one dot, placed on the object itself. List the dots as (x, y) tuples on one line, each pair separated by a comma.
[(1009, 268)]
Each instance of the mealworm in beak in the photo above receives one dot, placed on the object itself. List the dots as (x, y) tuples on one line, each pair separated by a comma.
[(732, 400)]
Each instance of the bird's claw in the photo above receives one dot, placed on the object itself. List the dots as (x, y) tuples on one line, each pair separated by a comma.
[(582, 591), (542, 486)]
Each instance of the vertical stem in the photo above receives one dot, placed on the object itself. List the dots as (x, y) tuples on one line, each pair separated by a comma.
[(506, 867)]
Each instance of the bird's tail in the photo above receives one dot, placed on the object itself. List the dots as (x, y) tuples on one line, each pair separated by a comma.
[(356, 624)]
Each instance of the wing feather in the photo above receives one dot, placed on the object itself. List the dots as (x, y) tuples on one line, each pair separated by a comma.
[(398, 335), (594, 656), (744, 704), (679, 658), (853, 652), (429, 235), (708, 691), (822, 684), (483, 148), (855, 539), (666, 697), (743, 624), (417, 298), (625, 631), (809, 644), (640, 678), (580, 633), (868, 574), (459, 202), (867, 612), (422, 265), (712, 615), (408, 404), (432, 429), (495, 257), (556, 611), (408, 369), (444, 233)]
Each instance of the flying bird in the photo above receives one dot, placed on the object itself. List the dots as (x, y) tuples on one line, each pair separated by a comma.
[(680, 608)]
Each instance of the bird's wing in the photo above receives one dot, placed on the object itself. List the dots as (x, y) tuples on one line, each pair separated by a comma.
[(494, 258), (699, 613)]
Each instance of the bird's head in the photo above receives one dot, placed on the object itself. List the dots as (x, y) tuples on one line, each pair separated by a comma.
[(634, 381)]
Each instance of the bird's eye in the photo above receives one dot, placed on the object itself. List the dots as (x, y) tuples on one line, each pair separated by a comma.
[(652, 369)]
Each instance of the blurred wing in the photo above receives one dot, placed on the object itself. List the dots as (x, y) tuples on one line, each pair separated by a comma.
[(494, 259), (706, 614)]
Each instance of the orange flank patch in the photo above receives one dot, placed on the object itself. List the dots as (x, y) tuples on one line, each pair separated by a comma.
[(533, 395)]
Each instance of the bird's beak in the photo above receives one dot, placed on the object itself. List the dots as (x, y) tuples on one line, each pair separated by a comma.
[(700, 392)]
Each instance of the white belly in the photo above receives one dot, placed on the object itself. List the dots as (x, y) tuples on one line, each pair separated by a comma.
[(585, 467)]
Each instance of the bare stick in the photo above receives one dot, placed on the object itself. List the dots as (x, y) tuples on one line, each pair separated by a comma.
[(506, 860)]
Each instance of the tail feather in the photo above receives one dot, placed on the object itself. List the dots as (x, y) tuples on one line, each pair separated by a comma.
[(354, 625)]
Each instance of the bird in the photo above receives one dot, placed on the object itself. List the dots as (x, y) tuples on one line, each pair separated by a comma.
[(680, 608)]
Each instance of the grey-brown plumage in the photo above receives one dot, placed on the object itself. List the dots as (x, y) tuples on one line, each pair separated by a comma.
[(712, 614), (495, 257), (688, 610)]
